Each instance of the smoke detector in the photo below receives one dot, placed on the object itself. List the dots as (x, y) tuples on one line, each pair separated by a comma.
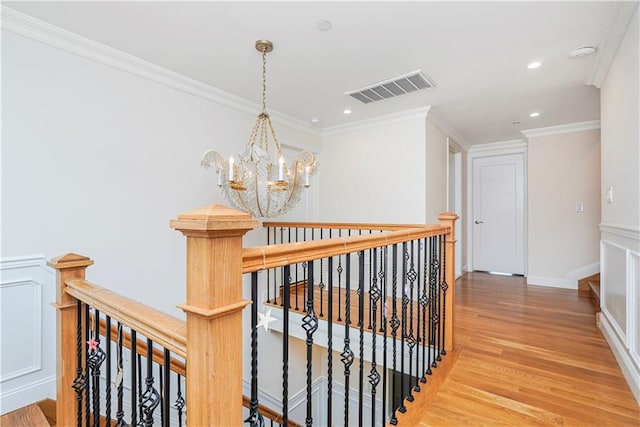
[(582, 52)]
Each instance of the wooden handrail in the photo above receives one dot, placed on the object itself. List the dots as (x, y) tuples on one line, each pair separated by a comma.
[(341, 225), (166, 330), (271, 256)]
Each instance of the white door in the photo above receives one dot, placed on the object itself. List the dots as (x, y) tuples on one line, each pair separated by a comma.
[(498, 214)]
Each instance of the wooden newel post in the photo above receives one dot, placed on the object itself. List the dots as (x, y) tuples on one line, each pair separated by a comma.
[(449, 219), (68, 267), (214, 313)]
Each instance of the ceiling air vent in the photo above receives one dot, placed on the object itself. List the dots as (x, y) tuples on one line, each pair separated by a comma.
[(391, 88)]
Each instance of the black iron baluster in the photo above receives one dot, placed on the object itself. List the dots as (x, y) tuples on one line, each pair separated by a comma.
[(166, 390), (119, 381), (134, 373), (255, 418), (304, 273), (321, 284), (297, 280), (285, 346), (87, 370), (268, 272), (310, 325), (424, 300), (394, 324), (140, 409), (80, 381), (435, 302), (372, 273), (432, 280), (107, 341), (385, 310), (411, 342), (374, 296), (339, 269), (161, 378), (438, 308), (347, 353), (403, 333), (150, 397), (179, 400), (361, 326), (444, 286), (330, 342), (418, 375), (95, 358)]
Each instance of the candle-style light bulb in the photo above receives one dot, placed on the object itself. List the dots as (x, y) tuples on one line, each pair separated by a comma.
[(307, 171), (281, 169), (231, 169)]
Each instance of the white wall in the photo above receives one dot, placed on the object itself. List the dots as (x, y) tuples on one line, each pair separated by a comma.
[(620, 228), (436, 170), (563, 170), (375, 173)]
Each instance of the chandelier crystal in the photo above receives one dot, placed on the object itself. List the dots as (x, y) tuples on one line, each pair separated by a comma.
[(258, 180)]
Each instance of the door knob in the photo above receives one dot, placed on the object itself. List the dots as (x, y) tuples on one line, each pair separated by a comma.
[(479, 222)]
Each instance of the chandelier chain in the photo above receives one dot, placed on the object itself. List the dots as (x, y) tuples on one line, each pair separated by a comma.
[(264, 80)]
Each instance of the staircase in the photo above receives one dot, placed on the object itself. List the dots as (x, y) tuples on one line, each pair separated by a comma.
[(41, 414), (589, 287)]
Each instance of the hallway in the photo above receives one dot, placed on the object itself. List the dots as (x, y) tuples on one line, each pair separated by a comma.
[(529, 355)]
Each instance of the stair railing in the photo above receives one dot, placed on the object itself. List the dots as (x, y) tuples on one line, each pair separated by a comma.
[(211, 337)]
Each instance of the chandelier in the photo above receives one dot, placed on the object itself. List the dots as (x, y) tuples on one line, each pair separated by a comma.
[(258, 180)]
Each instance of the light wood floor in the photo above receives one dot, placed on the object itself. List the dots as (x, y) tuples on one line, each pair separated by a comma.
[(529, 355)]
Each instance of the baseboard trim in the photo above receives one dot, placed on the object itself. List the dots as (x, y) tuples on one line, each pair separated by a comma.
[(629, 369), (551, 282), (34, 392)]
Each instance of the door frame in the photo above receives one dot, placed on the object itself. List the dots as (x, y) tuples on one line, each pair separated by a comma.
[(517, 146), (454, 191)]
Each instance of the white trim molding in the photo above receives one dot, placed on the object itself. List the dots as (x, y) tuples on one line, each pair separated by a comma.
[(43, 32), (629, 369), (551, 282), (28, 348), (620, 15), (630, 231), (384, 120), (435, 118), (560, 129), (498, 148)]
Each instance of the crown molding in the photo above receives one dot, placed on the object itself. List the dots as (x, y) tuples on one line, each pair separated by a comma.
[(620, 15), (499, 146), (44, 32), (384, 120), (444, 126), (557, 130)]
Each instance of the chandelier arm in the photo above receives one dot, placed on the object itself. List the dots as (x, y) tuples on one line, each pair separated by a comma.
[(275, 138), (294, 186), (255, 185)]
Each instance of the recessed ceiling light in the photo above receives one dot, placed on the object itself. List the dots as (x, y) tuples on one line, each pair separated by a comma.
[(314, 120), (534, 114), (582, 51), (324, 25), (347, 111), (534, 65)]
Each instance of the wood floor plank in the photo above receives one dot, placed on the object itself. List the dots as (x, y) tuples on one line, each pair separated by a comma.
[(529, 356)]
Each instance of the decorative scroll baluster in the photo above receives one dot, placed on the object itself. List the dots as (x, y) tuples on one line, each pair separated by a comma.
[(297, 279), (435, 302), (310, 325), (80, 381), (347, 353), (424, 300), (411, 341), (444, 287), (108, 371), (374, 295), (437, 307), (394, 323), (385, 314), (416, 303), (180, 402), (285, 345), (405, 301), (151, 397), (361, 326), (304, 273), (119, 380), (254, 419)]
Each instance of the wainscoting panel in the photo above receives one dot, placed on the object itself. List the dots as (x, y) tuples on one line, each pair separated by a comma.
[(27, 370), (620, 298)]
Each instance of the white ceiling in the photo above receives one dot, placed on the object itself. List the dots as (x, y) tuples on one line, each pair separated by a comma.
[(475, 52)]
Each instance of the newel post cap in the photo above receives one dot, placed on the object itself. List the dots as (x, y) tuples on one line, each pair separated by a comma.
[(447, 216), (70, 260), (213, 220)]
